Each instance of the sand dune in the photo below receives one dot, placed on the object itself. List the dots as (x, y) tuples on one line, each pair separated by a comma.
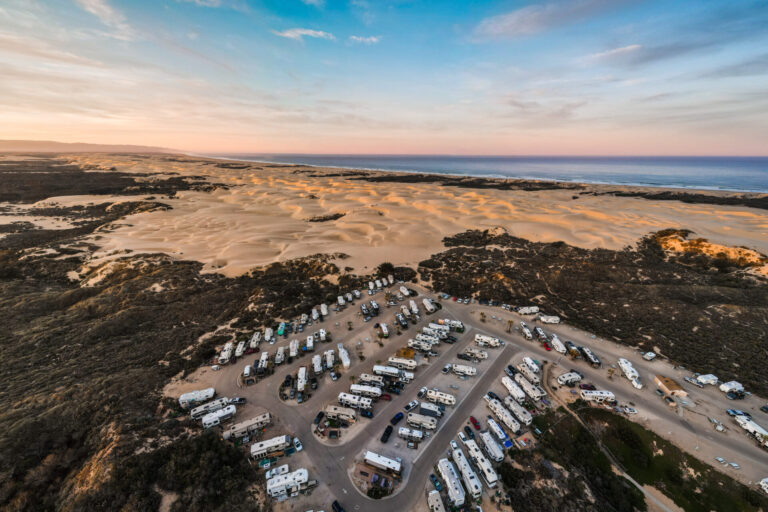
[(263, 216)]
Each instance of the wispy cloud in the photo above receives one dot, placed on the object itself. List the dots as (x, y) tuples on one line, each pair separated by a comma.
[(109, 16), (298, 34), (364, 39), (539, 18), (204, 3), (614, 53), (315, 3)]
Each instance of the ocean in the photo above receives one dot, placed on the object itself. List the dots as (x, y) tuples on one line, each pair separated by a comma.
[(744, 174)]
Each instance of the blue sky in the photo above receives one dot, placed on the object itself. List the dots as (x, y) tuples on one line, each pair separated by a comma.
[(389, 76)]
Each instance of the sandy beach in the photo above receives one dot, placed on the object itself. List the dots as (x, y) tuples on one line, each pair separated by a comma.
[(263, 216)]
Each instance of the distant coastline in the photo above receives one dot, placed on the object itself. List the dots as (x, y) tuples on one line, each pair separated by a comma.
[(724, 174)]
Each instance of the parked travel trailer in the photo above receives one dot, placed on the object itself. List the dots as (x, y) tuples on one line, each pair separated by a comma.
[(381, 462), (755, 430), (430, 409), (404, 291), (526, 332), (414, 307), (456, 496), (540, 334), (269, 447), (226, 354), (362, 390), (253, 344), (323, 335), (357, 294), (343, 356), (573, 350), (355, 401), (410, 435), (469, 477), (549, 319), (439, 328), (590, 357), (527, 310), (731, 387), (502, 414), (374, 308), (391, 279), (371, 380), (310, 344), (371, 286), (263, 363), (194, 398), (315, 315), (340, 301), (463, 369), (383, 330), (217, 417), (422, 346), (435, 502), (526, 371), (280, 355), (476, 353), (269, 335), (406, 377), (304, 319), (630, 373), (420, 421), (482, 463), (207, 408), (301, 379), (440, 397), (492, 448), (597, 395), (530, 363), (499, 432), (247, 427), (427, 338), (518, 410), (293, 348), (557, 344), (378, 284), (487, 341), (334, 412), (282, 486), (568, 379), (348, 296), (514, 390), (532, 390), (387, 371), (405, 311), (402, 363), (324, 310), (707, 379), (428, 306)]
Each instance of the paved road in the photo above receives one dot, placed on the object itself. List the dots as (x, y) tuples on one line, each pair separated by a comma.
[(334, 462)]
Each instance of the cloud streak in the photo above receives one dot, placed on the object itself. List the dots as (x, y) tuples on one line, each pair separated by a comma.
[(298, 34), (365, 40), (110, 17)]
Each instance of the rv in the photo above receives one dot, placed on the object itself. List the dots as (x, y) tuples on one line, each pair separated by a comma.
[(428, 338), (707, 379), (527, 310), (502, 414), (422, 346), (514, 390), (435, 502), (315, 315), (428, 409), (540, 334), (428, 306), (371, 380), (405, 311), (526, 332), (518, 410), (590, 357), (439, 328), (568, 379), (573, 351), (334, 412), (253, 344), (410, 435), (630, 373), (406, 377), (324, 310), (492, 448), (374, 308), (433, 395), (401, 320), (280, 356), (343, 356), (476, 353), (301, 379), (499, 432), (487, 341), (755, 430), (247, 427), (378, 284), (547, 319), (404, 291), (263, 363), (293, 348), (348, 296), (266, 448), (383, 330), (213, 406), (310, 346), (369, 391), (598, 396), (226, 354), (532, 390), (530, 363), (216, 417), (340, 301), (471, 482), (329, 359), (387, 371), (420, 421), (391, 279), (557, 344), (317, 364), (381, 462), (247, 371), (414, 307), (281, 329), (282, 486), (463, 369), (322, 335), (193, 398), (371, 286), (456, 495), (269, 335), (357, 294), (482, 463), (402, 363), (526, 371), (364, 310), (304, 319), (354, 401)]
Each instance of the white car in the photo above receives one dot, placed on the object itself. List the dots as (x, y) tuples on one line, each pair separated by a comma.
[(411, 405), (630, 410), (734, 465), (720, 460), (297, 444)]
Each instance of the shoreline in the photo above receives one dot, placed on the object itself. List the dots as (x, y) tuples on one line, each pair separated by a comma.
[(454, 174)]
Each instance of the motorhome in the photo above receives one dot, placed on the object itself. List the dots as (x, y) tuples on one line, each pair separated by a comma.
[(420, 421), (428, 338), (293, 348), (334, 412), (469, 477), (482, 463), (422, 346), (329, 359), (217, 417), (492, 448), (323, 335), (499, 432), (357, 294), (194, 398), (247, 427), (269, 335), (410, 435), (526, 332), (405, 311), (532, 390), (371, 286), (226, 353), (597, 395), (514, 390), (290, 484), (269, 447), (404, 291), (301, 379), (280, 356), (630, 373), (428, 306), (263, 363), (455, 491), (476, 353), (371, 380), (568, 379), (349, 297), (402, 363), (439, 328), (207, 408), (590, 357), (463, 369), (310, 344), (520, 412), (549, 319), (317, 364), (343, 356), (387, 371), (503, 415), (526, 371), (324, 310), (487, 341), (557, 344), (340, 301), (439, 397), (430, 409), (414, 307), (378, 284), (530, 363), (383, 463), (355, 401), (374, 308), (315, 315), (253, 344), (540, 334), (362, 390)]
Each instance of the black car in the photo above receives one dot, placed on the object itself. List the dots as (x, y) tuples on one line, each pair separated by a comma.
[(393, 389), (464, 357), (386, 434), (365, 413), (237, 400), (319, 417), (337, 506), (764, 408), (288, 380), (396, 418), (494, 395), (511, 371), (469, 432), (313, 382)]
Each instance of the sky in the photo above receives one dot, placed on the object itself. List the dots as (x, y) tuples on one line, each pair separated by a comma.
[(578, 77)]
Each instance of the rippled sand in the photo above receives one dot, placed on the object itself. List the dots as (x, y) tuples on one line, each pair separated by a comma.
[(262, 217)]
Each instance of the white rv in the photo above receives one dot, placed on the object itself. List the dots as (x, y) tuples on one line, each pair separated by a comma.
[(428, 306), (207, 408), (334, 412), (289, 484), (557, 344), (476, 353), (315, 315), (301, 379), (532, 390), (528, 373), (482, 463), (310, 346), (433, 395), (293, 348), (247, 427), (354, 401), (448, 473), (468, 475), (266, 448), (597, 395), (343, 356), (387, 371), (422, 346), (527, 310), (323, 335), (463, 369), (226, 353), (414, 307), (487, 341), (492, 448), (324, 310), (568, 379), (530, 363), (402, 363), (381, 462), (404, 291), (269, 335), (549, 319), (514, 390), (329, 359), (216, 417), (420, 421), (280, 355), (410, 435), (518, 410), (317, 364), (255, 340), (371, 380), (502, 414), (630, 373), (199, 396), (362, 390)]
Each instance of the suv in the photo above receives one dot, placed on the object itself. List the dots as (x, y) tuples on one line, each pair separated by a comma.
[(469, 432), (396, 418), (423, 391), (511, 371), (319, 417), (386, 434), (411, 405), (447, 368), (237, 400), (365, 413), (337, 506)]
